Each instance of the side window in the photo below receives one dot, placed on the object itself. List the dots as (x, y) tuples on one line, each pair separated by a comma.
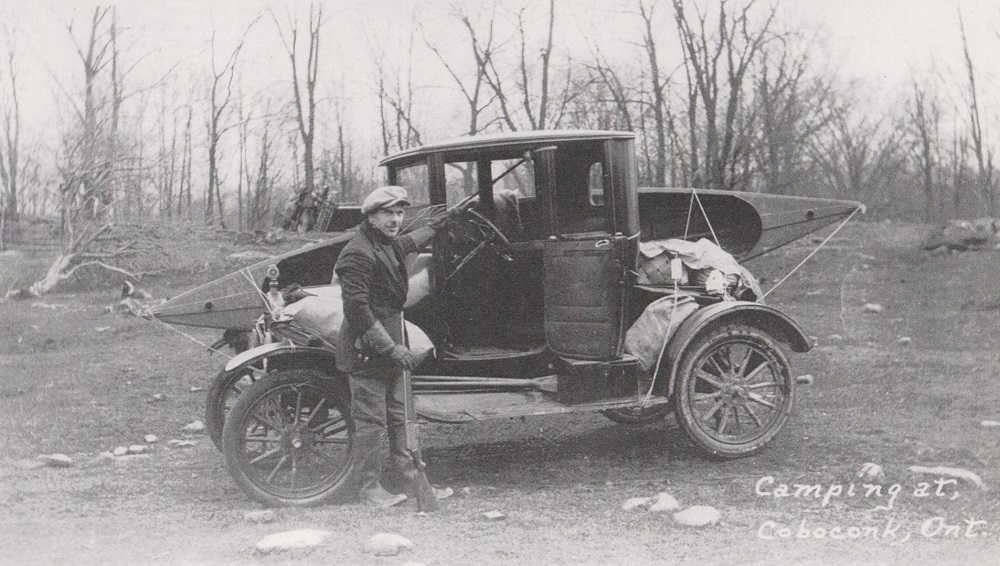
[(580, 189), (459, 180), (515, 176), (415, 179), (596, 189)]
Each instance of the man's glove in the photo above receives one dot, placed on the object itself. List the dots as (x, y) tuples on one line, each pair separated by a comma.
[(441, 218), (402, 356)]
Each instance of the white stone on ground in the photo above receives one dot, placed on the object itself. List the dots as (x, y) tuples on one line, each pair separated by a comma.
[(196, 426), (806, 379), (874, 308), (493, 515), (182, 443), (664, 502), (56, 460), (636, 503), (151, 438), (120, 451), (387, 544), (904, 341), (302, 538), (989, 424), (195, 389), (137, 449), (946, 471), (871, 471), (698, 516)]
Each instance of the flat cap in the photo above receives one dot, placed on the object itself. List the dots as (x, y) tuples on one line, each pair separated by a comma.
[(384, 197)]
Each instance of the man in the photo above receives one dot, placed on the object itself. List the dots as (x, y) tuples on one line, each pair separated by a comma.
[(371, 346)]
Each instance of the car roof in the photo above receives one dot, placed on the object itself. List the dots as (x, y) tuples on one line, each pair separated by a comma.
[(505, 140)]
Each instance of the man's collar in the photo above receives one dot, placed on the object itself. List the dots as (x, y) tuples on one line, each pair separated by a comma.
[(374, 234)]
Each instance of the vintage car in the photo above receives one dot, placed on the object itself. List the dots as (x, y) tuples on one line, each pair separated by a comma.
[(527, 299)]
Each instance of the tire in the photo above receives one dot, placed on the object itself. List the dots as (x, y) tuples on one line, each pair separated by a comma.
[(734, 390), (638, 416), (222, 394), (287, 439)]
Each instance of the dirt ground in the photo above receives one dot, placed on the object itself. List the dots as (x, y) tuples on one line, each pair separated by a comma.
[(78, 381)]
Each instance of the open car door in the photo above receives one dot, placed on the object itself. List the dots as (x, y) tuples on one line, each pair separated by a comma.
[(585, 295)]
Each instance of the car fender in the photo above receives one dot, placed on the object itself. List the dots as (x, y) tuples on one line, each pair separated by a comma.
[(776, 323), (284, 350)]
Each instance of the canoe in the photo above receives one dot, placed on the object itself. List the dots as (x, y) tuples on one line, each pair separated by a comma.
[(746, 225)]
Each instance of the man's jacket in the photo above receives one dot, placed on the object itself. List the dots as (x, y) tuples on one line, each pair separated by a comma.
[(374, 282)]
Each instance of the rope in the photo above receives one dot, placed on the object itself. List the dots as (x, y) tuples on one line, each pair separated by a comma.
[(192, 338), (705, 215), (812, 253)]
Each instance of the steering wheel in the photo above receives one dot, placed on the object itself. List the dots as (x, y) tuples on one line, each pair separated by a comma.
[(489, 236)]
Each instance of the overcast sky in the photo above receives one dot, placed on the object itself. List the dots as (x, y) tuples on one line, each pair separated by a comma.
[(880, 41)]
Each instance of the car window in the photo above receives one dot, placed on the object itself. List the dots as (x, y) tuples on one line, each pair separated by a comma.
[(515, 176), (459, 180), (415, 179)]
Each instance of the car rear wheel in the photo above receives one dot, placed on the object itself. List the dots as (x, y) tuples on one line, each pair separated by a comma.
[(222, 394), (734, 390)]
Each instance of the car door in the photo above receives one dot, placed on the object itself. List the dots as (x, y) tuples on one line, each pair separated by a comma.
[(584, 259)]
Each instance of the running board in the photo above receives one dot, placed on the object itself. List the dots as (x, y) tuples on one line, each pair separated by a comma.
[(466, 407)]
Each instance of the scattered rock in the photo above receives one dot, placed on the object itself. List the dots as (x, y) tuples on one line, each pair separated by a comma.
[(465, 491), (698, 516), (195, 389), (871, 471), (806, 379), (194, 427), (182, 443), (957, 473), (120, 451), (56, 460), (102, 328), (302, 538), (261, 516), (137, 449), (904, 341), (873, 308), (989, 424), (159, 397), (151, 438), (664, 502), (494, 516), (836, 337), (636, 503), (387, 544)]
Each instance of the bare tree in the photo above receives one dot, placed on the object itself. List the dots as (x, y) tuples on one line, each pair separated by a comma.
[(305, 107), (220, 97), (923, 121), (482, 51), (732, 44), (980, 146), (10, 172)]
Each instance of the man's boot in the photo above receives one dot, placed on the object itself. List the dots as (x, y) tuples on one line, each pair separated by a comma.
[(366, 464)]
